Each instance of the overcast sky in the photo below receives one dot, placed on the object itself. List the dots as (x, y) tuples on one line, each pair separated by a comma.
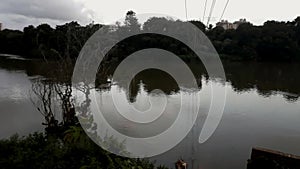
[(15, 14)]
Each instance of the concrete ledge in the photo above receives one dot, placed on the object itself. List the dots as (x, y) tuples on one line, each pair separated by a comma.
[(262, 158)]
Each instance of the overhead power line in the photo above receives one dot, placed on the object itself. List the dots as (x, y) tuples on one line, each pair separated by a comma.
[(186, 10), (211, 11), (204, 10), (224, 10)]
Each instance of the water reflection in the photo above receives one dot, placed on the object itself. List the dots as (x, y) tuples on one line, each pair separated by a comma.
[(266, 78), (262, 108), (147, 81)]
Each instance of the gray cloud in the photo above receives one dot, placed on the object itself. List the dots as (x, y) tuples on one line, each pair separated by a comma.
[(14, 21), (16, 14)]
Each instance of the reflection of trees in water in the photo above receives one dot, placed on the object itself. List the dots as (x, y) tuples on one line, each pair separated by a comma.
[(87, 119), (267, 78), (148, 80)]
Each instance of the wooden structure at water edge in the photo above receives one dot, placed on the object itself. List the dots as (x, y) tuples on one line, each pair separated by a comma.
[(262, 158)]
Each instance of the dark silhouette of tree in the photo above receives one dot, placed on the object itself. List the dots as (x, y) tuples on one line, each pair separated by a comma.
[(131, 22), (199, 25), (273, 41)]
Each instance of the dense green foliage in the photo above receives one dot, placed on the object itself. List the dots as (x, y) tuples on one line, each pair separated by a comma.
[(273, 41), (44, 41), (73, 151)]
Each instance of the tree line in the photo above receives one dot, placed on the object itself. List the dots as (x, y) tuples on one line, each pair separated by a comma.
[(272, 41)]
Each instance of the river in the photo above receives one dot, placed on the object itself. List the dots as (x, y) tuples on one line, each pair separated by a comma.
[(262, 109)]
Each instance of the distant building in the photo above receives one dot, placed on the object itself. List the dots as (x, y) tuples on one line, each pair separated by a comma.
[(225, 24), (238, 23), (0, 26), (228, 25)]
